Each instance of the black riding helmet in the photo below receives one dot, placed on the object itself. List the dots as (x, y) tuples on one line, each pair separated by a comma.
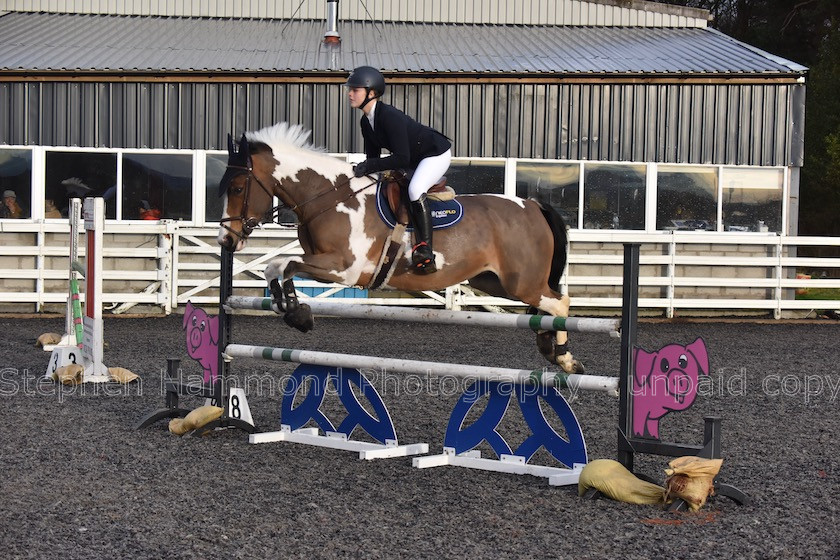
[(369, 78)]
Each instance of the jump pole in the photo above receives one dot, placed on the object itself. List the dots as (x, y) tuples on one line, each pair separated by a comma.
[(72, 336), (505, 375), (443, 316), (532, 390)]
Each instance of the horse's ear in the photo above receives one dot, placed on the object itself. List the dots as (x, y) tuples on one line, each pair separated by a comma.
[(239, 160), (244, 150)]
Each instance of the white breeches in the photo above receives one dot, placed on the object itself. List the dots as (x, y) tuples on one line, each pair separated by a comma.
[(429, 172)]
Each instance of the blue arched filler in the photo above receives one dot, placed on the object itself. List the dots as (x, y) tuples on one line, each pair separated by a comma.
[(485, 428), (465, 438), (379, 427), (567, 451), (309, 408)]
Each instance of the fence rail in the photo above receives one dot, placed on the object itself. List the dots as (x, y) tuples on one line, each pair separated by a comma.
[(166, 264)]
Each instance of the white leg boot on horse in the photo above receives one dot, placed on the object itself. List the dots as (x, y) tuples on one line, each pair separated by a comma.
[(422, 256)]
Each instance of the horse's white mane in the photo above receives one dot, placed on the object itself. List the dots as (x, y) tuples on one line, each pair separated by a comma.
[(284, 134)]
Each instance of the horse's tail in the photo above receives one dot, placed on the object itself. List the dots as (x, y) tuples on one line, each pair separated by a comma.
[(561, 240)]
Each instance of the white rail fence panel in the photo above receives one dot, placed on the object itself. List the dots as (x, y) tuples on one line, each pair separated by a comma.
[(165, 264), (137, 268)]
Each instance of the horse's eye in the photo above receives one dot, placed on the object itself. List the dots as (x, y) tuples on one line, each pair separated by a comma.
[(237, 190)]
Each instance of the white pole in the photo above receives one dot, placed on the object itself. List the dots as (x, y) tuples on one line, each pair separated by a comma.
[(523, 376), (444, 316)]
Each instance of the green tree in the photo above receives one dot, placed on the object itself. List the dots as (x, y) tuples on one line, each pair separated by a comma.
[(820, 185)]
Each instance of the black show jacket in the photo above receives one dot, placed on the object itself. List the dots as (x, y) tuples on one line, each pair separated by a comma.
[(406, 139)]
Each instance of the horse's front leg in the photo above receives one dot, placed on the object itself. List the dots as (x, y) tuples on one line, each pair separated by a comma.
[(279, 274), (296, 314)]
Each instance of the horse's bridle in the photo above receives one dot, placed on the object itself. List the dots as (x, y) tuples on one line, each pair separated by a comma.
[(250, 224)]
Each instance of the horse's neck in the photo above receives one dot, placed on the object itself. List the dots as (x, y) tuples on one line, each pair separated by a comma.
[(311, 194), (315, 182)]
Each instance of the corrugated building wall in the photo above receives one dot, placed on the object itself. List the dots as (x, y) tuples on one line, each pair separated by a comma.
[(721, 123)]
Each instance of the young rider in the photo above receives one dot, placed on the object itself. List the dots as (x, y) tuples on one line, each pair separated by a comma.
[(412, 146)]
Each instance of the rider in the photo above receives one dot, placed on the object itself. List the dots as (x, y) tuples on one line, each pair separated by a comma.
[(413, 146)]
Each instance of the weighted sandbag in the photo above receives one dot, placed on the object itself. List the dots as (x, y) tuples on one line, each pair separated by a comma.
[(616, 482), (122, 375), (72, 374), (47, 339), (692, 479), (195, 419)]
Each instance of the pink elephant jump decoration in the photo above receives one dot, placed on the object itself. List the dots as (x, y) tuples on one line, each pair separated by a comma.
[(665, 381), (202, 340)]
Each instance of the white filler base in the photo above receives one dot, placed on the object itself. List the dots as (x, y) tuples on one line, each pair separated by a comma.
[(334, 440), (512, 464)]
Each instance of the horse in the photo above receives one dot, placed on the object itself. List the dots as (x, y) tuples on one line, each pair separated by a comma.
[(504, 246)]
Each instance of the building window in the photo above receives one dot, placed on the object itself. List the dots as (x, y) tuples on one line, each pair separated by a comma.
[(157, 186), (16, 182), (614, 196), (215, 169), (554, 184), (472, 176), (79, 175), (686, 198), (752, 199)]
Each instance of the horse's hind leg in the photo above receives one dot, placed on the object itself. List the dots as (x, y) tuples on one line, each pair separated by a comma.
[(554, 345)]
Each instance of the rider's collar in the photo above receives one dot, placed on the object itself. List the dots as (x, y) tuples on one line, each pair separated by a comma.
[(370, 113)]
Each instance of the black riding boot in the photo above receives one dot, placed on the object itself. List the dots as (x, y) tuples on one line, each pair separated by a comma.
[(422, 257)]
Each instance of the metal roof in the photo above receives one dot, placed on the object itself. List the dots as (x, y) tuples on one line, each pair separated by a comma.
[(44, 42), (524, 12)]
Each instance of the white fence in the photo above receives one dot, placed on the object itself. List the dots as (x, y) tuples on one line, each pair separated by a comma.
[(166, 264)]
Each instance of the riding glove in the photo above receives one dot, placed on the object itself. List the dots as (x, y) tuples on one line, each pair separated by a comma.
[(360, 169)]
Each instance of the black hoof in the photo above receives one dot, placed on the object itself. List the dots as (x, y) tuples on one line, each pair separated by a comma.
[(300, 318)]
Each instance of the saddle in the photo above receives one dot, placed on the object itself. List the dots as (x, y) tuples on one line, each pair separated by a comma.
[(395, 186)]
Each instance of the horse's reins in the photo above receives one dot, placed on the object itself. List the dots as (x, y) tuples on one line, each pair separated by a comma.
[(337, 202), (250, 224)]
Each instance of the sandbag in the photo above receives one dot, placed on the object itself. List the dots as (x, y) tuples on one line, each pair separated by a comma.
[(178, 427), (616, 482), (48, 338), (195, 419), (692, 479), (71, 374), (122, 375)]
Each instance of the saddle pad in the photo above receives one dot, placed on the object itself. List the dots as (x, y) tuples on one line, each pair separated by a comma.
[(444, 214)]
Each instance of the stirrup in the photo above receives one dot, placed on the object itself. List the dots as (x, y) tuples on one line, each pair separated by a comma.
[(423, 258)]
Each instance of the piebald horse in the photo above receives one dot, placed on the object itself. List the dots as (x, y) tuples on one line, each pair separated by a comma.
[(504, 246)]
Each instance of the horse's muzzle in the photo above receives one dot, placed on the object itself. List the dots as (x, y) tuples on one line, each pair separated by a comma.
[(231, 239)]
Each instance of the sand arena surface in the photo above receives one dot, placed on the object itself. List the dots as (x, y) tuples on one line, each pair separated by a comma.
[(80, 482)]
